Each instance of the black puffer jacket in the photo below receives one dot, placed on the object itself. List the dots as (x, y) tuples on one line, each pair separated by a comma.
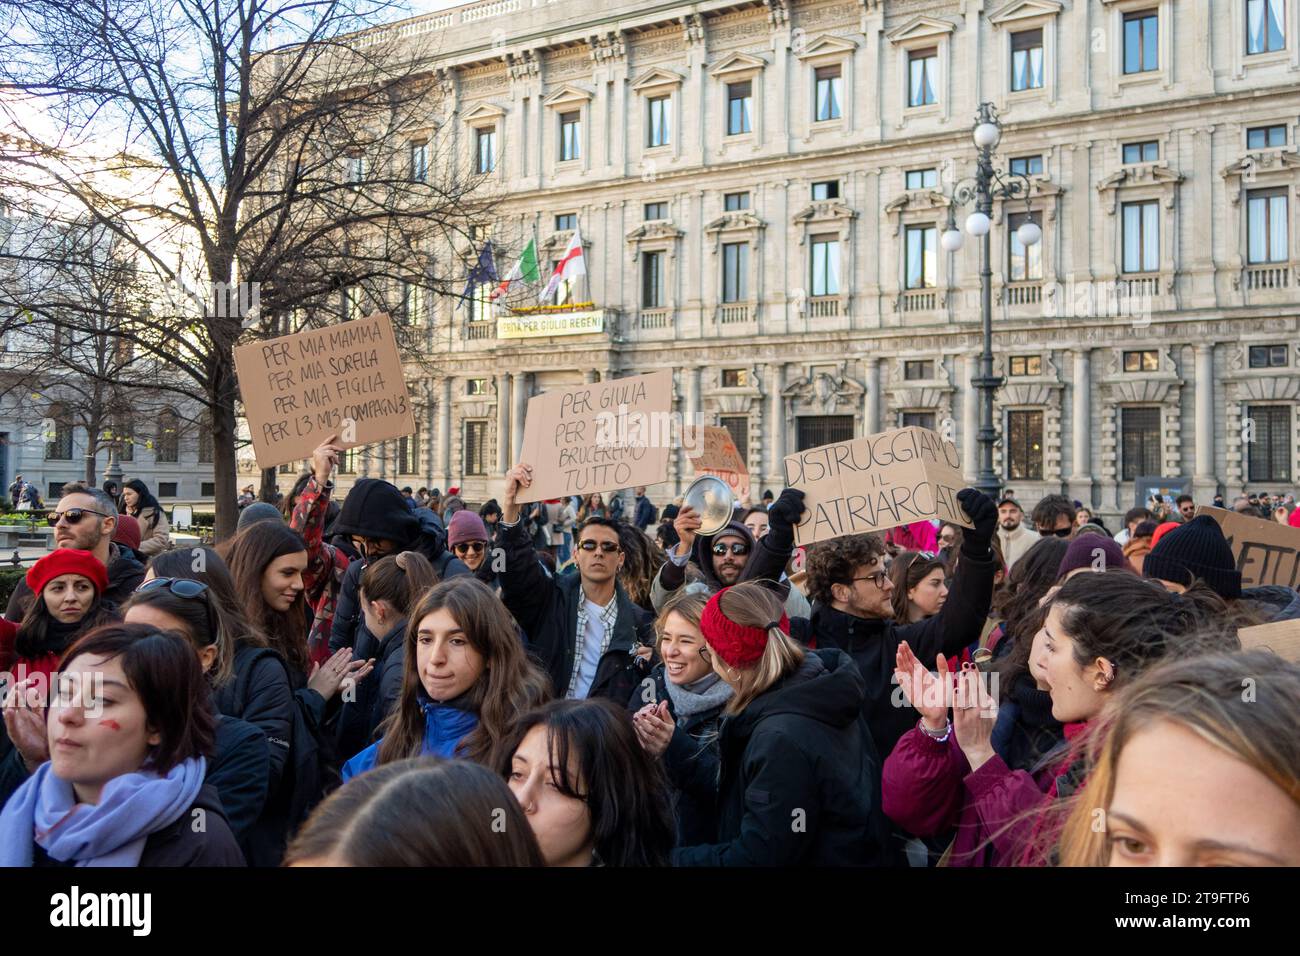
[(546, 609), (873, 644), (800, 781), (376, 695), (691, 762)]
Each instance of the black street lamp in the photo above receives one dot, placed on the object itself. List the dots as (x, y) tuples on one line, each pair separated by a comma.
[(980, 191)]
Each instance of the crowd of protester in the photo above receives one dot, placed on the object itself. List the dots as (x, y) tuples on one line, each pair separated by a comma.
[(400, 678)]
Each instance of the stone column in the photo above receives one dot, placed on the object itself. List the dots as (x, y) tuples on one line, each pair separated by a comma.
[(1205, 481), (774, 439), (519, 404), (444, 431), (1081, 427), (503, 422), (970, 410), (871, 398)]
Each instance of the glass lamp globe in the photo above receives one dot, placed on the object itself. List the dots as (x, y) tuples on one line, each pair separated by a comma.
[(951, 240), (977, 224), (987, 135), (1029, 234)]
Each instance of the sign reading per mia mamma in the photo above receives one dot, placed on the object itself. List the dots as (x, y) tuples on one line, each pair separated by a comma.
[(343, 380), (875, 483)]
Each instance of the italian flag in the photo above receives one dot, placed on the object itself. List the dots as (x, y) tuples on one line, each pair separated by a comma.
[(525, 270), (571, 265)]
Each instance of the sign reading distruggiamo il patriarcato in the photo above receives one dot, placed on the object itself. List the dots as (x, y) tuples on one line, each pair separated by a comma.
[(877, 482), (344, 380)]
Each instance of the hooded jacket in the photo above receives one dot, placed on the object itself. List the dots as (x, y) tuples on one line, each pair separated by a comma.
[(376, 509), (766, 563), (546, 610), (799, 781), (873, 643)]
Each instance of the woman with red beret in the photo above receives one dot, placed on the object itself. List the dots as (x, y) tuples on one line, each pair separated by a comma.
[(68, 584), (798, 779)]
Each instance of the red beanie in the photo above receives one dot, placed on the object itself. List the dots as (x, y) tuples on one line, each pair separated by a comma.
[(1162, 530), (127, 532), (737, 644), (67, 561)]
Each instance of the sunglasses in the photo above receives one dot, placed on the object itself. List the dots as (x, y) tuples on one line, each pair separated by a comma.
[(737, 547), (608, 547), (1062, 532), (74, 515), (466, 547), (181, 587)]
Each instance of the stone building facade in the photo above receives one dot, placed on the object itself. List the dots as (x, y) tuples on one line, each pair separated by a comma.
[(760, 187)]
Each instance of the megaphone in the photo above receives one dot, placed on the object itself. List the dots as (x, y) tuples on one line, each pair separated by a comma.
[(713, 500)]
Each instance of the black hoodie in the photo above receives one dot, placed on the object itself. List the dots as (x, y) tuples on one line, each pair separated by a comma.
[(765, 563), (799, 780)]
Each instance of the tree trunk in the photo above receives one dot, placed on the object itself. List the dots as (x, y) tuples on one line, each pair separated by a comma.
[(221, 394), (267, 491)]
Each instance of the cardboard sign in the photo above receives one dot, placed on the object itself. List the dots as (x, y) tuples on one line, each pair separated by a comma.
[(1280, 637), (599, 437), (875, 483), (1266, 552), (344, 380), (716, 454)]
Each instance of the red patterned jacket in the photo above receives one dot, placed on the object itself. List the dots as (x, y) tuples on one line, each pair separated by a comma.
[(326, 565)]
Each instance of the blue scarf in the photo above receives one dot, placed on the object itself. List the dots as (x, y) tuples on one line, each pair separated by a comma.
[(109, 833)]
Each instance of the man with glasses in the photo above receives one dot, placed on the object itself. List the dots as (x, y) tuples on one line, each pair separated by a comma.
[(85, 518), (733, 554), (850, 589), (1054, 515), (581, 628)]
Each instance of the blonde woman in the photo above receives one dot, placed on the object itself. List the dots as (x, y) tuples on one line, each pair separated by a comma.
[(1193, 770), (676, 712), (798, 780)]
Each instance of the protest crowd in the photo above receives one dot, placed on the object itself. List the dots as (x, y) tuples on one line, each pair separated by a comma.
[(406, 678)]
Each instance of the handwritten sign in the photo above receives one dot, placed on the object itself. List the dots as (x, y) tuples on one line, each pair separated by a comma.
[(875, 483), (715, 453), (599, 437), (1280, 637), (1266, 552), (343, 380)]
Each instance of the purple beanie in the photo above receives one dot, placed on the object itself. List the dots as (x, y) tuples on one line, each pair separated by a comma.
[(1080, 554), (465, 526)]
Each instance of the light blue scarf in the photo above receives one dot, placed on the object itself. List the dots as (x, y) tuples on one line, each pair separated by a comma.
[(109, 833)]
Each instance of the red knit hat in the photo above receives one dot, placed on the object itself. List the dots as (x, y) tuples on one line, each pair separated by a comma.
[(737, 644), (1162, 530), (67, 561)]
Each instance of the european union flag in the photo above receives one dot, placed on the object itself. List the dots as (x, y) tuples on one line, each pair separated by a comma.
[(483, 273)]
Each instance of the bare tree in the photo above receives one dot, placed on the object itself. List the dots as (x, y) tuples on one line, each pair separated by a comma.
[(287, 145)]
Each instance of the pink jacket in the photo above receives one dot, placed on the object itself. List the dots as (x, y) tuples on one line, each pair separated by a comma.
[(929, 788), (917, 536)]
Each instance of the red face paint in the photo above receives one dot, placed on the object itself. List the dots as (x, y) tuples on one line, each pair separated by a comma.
[(110, 724)]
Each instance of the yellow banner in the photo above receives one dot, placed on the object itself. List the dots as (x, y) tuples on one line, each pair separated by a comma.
[(555, 323)]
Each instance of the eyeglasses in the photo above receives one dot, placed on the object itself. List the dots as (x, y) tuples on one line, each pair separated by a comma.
[(1059, 532), (607, 547), (465, 547), (737, 547), (181, 587), (878, 578), (74, 515)]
